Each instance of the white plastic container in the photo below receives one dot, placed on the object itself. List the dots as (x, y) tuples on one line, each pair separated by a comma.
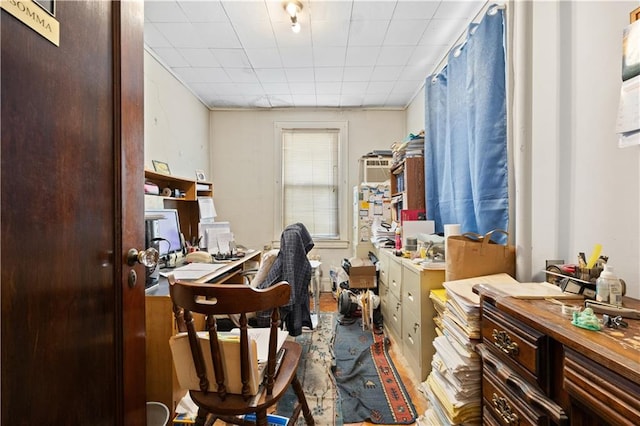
[(608, 287)]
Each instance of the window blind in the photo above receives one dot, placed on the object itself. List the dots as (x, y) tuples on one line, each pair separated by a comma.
[(310, 180)]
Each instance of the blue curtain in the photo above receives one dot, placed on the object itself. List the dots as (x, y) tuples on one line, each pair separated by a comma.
[(466, 164)]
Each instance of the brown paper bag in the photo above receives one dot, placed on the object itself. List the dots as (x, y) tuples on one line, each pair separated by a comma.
[(473, 255)]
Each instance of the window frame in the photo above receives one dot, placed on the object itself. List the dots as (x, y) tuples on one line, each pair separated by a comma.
[(343, 172)]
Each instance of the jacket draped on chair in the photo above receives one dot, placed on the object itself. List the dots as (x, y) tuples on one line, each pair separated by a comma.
[(292, 265)]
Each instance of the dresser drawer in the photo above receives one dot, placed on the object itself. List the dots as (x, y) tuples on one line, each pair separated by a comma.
[(613, 397), (526, 348), (510, 399)]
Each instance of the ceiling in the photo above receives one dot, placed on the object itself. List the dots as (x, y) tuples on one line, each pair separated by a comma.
[(348, 54)]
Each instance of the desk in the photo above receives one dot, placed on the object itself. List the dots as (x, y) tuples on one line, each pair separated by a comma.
[(162, 384)]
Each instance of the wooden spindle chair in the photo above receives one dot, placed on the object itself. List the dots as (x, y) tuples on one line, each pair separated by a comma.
[(214, 401)]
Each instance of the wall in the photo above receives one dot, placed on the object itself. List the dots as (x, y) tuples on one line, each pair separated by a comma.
[(576, 188), (243, 157), (176, 123), (415, 116)]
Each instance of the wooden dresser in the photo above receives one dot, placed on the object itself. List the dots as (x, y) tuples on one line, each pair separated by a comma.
[(538, 368)]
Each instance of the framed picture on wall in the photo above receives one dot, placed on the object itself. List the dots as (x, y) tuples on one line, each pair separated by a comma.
[(161, 167), (200, 175), (631, 51)]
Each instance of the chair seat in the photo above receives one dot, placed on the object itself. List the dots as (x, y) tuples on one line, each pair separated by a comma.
[(234, 403)]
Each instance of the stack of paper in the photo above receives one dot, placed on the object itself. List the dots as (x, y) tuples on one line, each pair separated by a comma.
[(439, 298), (453, 387)]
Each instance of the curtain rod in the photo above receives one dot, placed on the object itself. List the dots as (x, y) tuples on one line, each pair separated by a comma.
[(486, 9)]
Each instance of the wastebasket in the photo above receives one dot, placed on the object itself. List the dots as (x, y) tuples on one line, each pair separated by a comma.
[(157, 414)]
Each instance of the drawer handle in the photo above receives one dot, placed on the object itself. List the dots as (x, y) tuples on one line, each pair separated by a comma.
[(503, 341), (416, 326), (504, 409)]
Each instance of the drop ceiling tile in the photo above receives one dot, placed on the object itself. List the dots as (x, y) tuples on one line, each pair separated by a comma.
[(358, 73), (408, 86), (459, 9), (329, 74), (330, 10), (416, 9), (246, 12), (276, 88), (242, 75), (204, 11), (264, 58), (296, 57), (367, 33), (380, 87), (180, 35), (329, 56), (386, 73), (354, 87), (329, 87), (424, 56), (199, 58), (171, 57), (301, 88), (153, 37), (163, 11), (329, 33), (443, 31), (250, 89), (271, 75), (396, 55), (372, 10), (231, 58), (361, 55), (415, 73), (217, 34), (257, 35), (406, 32), (299, 74)]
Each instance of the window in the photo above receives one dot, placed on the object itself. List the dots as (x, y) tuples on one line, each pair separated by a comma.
[(312, 188)]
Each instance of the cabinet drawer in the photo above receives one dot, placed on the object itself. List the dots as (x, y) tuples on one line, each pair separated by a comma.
[(412, 345), (411, 293), (613, 397), (395, 277), (511, 399), (524, 346), (393, 318), (383, 266)]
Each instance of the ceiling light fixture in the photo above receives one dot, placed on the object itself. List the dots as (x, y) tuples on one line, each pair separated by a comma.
[(293, 8)]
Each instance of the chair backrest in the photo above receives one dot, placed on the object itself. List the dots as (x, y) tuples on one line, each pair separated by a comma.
[(225, 299)]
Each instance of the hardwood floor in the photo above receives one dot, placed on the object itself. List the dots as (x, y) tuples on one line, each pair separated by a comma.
[(411, 382)]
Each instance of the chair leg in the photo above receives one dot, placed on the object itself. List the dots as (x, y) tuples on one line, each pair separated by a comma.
[(261, 418), (306, 412), (201, 418)]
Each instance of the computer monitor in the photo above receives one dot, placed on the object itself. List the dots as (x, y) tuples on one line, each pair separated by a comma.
[(167, 229)]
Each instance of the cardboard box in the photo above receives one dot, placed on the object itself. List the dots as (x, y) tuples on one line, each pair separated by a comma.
[(362, 274)]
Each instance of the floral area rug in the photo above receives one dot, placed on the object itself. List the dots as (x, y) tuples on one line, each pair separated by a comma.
[(314, 373), (369, 385)]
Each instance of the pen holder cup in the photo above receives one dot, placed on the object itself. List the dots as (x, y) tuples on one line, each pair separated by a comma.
[(588, 274)]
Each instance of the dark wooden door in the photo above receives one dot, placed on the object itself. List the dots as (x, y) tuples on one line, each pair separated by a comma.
[(72, 166)]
